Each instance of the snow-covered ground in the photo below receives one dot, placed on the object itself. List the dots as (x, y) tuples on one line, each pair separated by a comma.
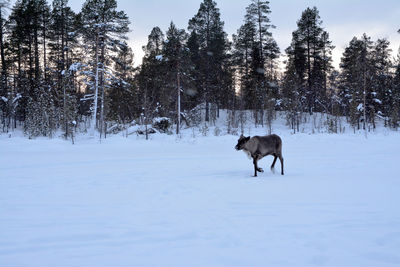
[(194, 202)]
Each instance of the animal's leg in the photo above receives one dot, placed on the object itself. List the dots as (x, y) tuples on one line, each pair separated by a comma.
[(258, 157), (255, 166), (273, 163), (281, 159)]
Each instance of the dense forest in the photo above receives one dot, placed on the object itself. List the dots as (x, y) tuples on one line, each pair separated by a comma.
[(64, 71)]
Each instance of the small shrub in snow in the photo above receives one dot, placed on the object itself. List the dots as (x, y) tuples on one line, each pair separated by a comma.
[(235, 131), (204, 130), (162, 124), (115, 128), (193, 133), (193, 116), (149, 131), (217, 131), (332, 126)]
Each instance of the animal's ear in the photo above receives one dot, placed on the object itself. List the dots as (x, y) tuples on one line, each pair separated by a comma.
[(241, 136), (247, 138)]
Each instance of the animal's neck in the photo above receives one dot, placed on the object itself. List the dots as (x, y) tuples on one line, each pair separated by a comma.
[(247, 152), (246, 147)]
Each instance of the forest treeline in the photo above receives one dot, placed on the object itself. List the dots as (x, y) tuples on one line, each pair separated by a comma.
[(66, 70)]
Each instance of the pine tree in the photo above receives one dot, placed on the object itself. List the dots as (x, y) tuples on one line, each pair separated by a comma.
[(209, 44), (155, 43), (325, 64), (265, 52), (3, 82), (243, 44), (333, 104), (4, 105), (150, 78), (307, 68), (20, 30), (295, 82), (41, 119), (258, 14), (381, 80), (27, 30), (356, 80), (104, 29), (312, 49), (122, 94), (395, 97), (293, 87), (255, 59), (62, 40), (177, 61)]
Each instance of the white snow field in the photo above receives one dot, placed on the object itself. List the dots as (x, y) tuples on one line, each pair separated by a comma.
[(194, 202)]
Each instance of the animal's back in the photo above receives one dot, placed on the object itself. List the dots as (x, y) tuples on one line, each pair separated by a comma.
[(269, 144)]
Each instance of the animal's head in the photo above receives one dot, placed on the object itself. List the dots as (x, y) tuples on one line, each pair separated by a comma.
[(241, 142)]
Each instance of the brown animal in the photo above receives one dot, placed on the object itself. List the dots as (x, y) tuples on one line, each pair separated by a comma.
[(258, 147)]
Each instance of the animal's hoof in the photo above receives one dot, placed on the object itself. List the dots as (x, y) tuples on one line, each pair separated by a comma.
[(260, 170)]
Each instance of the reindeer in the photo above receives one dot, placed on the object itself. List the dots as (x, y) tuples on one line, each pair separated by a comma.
[(258, 147)]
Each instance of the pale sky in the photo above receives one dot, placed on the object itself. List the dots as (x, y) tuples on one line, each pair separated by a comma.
[(343, 19)]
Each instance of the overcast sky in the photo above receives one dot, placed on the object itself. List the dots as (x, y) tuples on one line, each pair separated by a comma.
[(343, 19)]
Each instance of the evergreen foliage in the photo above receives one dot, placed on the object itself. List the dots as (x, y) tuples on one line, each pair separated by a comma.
[(66, 71), (255, 54), (209, 45)]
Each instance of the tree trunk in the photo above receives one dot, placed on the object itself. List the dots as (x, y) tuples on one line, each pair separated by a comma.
[(309, 71), (37, 66), (178, 126), (30, 66), (96, 87), (145, 113), (44, 48), (102, 86), (262, 62), (3, 59)]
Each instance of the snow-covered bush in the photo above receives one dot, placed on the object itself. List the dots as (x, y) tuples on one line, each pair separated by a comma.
[(162, 124), (332, 125), (204, 130), (234, 131), (143, 131), (41, 116), (217, 131), (116, 128), (193, 116)]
